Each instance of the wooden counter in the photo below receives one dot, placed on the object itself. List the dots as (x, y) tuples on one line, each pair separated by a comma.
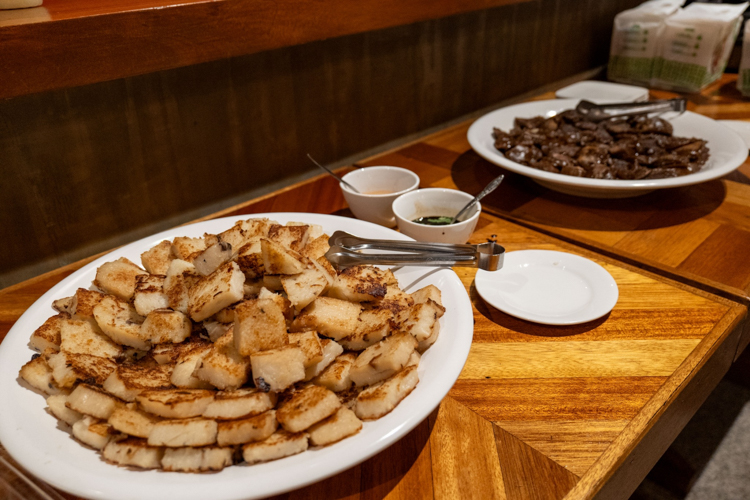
[(538, 411), (66, 43)]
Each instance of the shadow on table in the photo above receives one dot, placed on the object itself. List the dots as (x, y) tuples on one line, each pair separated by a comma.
[(661, 208)]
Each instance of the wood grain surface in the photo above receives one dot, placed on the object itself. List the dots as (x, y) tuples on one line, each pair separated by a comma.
[(66, 43), (538, 411), (89, 168), (696, 234)]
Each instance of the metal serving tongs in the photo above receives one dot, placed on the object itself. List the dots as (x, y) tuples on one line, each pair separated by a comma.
[(348, 250), (598, 112)]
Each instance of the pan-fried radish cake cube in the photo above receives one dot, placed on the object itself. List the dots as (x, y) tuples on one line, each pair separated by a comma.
[(133, 452), (128, 381), (383, 359), (90, 400), (277, 259), (208, 458), (372, 327), (212, 257), (166, 325), (68, 368), (307, 407), (430, 292), (242, 403), (331, 350), (398, 302), (279, 445), (186, 248), (183, 432), (414, 359), (183, 374), (170, 353), (330, 317), (250, 260), (84, 337), (216, 291), (426, 343), (118, 278), (149, 293), (156, 260), (47, 336), (63, 305), (281, 301), (181, 275), (215, 330), (57, 405), (259, 324), (119, 321), (132, 421), (422, 318), (277, 369), (336, 376), (246, 230), (359, 284), (305, 287), (292, 237), (380, 399), (38, 374), (272, 282), (224, 367), (176, 403), (93, 432), (316, 248), (342, 424), (246, 430), (84, 301), (226, 315), (309, 342)]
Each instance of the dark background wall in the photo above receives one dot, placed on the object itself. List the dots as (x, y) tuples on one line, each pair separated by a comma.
[(88, 168)]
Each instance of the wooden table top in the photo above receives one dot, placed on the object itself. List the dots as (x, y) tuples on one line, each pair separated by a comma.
[(698, 234), (539, 411)]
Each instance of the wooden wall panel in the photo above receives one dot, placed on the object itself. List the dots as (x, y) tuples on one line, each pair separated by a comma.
[(88, 168)]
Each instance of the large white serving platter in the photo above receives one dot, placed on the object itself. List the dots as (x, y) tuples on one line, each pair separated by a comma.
[(727, 151), (34, 438)]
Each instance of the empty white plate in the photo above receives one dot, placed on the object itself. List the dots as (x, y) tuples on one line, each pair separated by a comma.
[(548, 287)]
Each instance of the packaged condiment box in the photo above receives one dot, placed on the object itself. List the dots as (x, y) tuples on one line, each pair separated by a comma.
[(635, 41), (695, 45)]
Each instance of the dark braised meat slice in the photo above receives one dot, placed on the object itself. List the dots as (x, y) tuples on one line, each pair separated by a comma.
[(651, 125), (524, 123), (601, 171), (524, 154), (564, 149), (617, 126), (503, 141), (592, 154), (573, 170)]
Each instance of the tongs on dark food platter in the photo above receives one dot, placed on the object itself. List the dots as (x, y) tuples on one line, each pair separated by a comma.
[(597, 112), (348, 250)]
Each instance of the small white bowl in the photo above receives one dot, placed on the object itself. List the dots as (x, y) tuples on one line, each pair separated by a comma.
[(435, 202), (378, 187)]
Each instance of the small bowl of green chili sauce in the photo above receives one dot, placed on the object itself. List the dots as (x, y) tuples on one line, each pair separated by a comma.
[(427, 215)]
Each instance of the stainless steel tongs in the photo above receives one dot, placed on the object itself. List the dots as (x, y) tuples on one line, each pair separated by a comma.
[(348, 250), (597, 112)]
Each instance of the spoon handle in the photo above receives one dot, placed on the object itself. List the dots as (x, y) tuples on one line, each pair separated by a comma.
[(487, 190), (333, 175)]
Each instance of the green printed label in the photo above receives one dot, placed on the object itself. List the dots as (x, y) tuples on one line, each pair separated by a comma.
[(630, 68), (745, 81), (681, 74)]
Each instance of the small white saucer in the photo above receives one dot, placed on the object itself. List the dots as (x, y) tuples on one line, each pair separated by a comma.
[(548, 287)]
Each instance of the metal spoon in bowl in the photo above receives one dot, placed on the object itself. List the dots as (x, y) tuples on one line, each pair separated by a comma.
[(334, 175), (487, 190)]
